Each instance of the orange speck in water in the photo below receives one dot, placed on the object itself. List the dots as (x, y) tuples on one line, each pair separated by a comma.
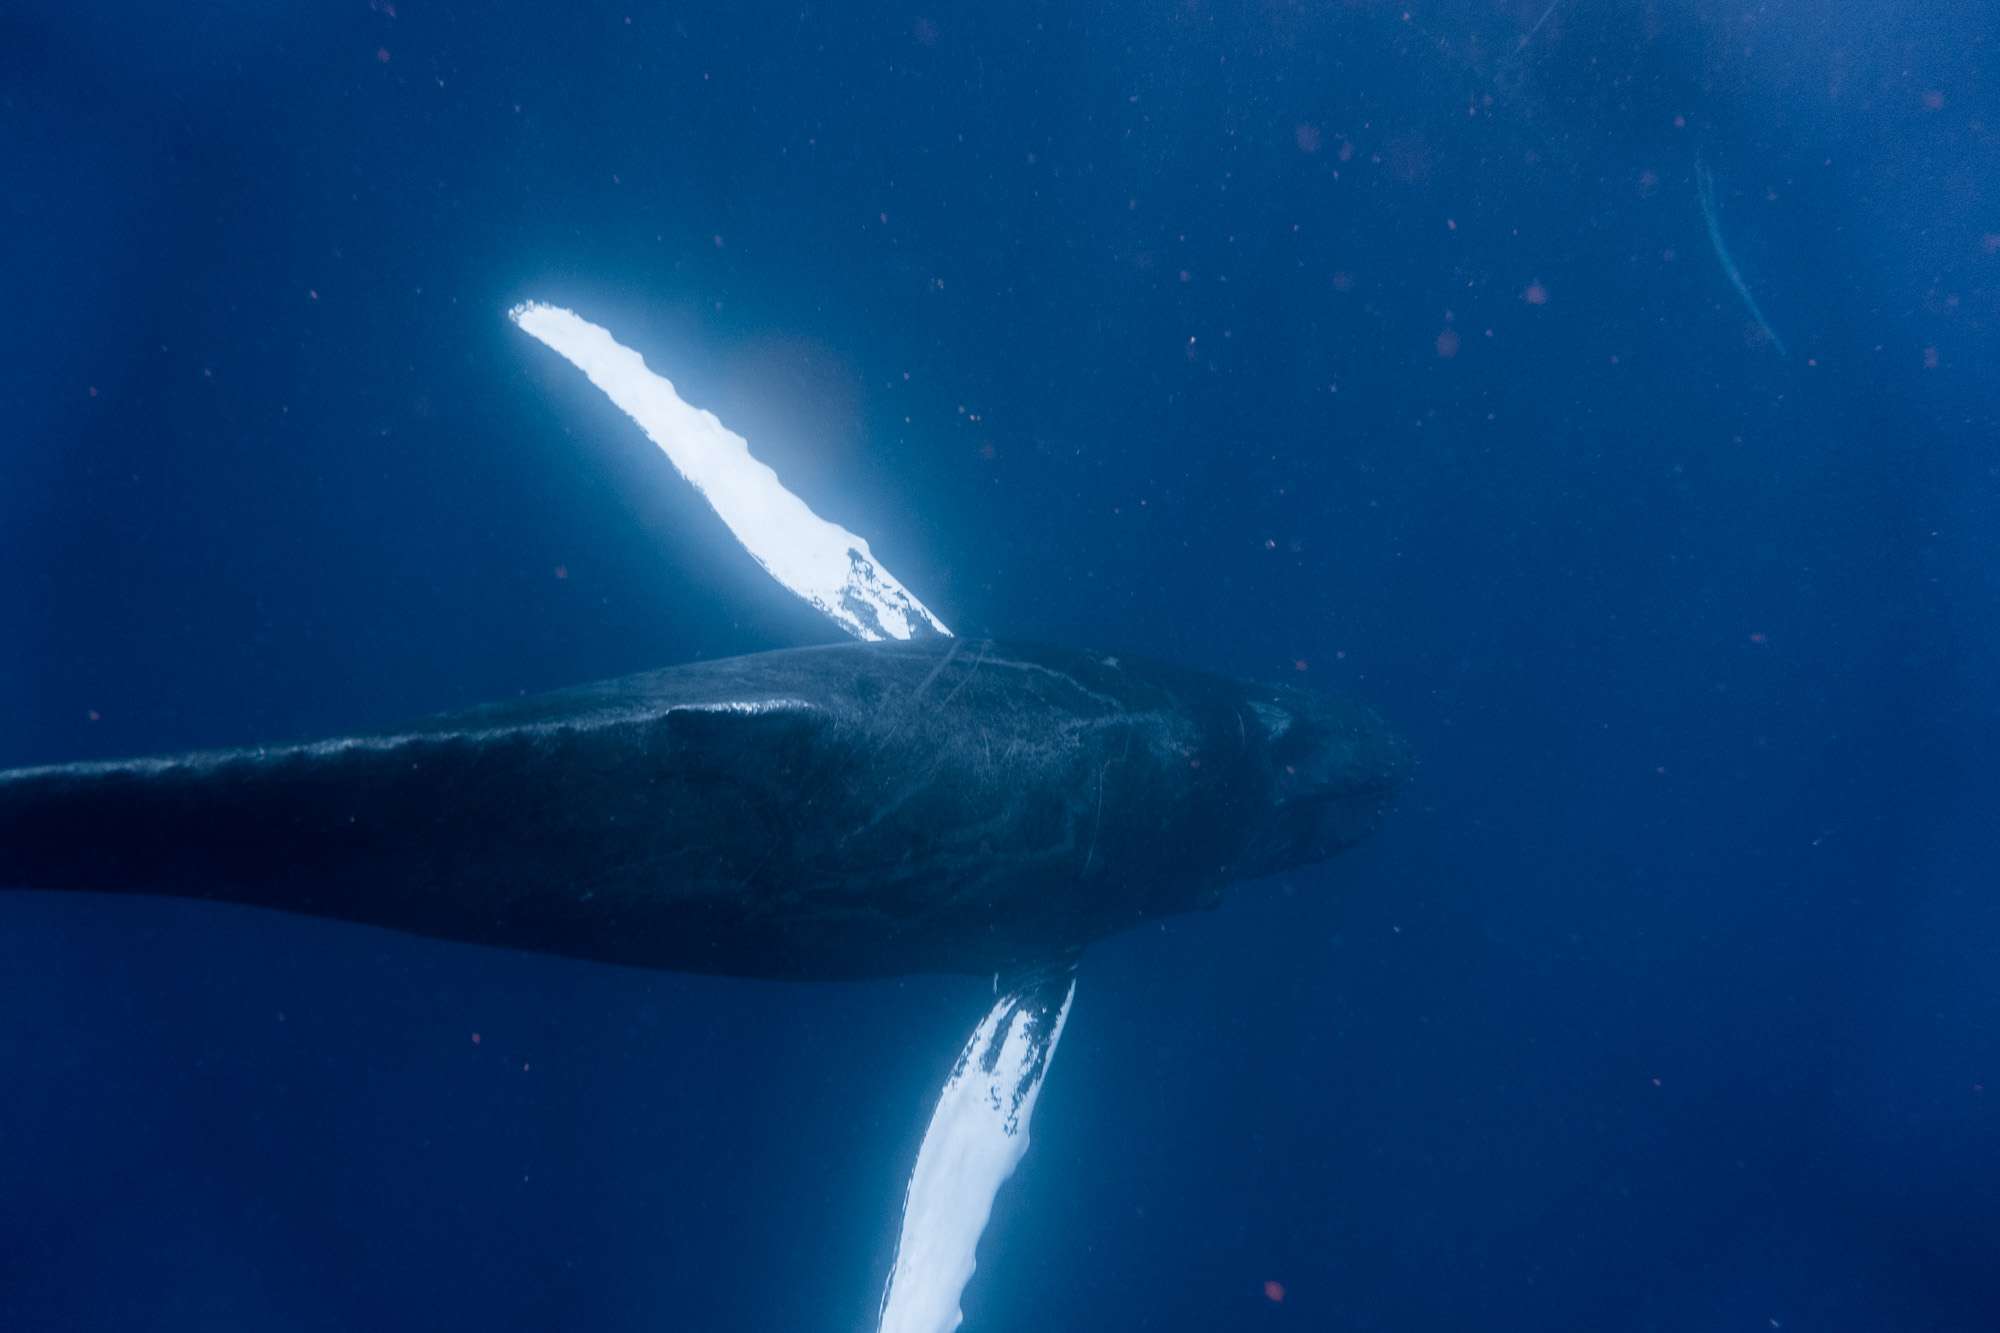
[(1274, 1292), (1758, 638), (1536, 294), (1300, 664), (93, 715), (382, 54), (475, 1039), (562, 571)]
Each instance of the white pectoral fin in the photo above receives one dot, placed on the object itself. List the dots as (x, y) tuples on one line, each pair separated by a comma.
[(822, 562), (977, 1135)]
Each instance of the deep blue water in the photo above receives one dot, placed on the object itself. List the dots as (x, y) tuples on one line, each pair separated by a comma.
[(1356, 344)]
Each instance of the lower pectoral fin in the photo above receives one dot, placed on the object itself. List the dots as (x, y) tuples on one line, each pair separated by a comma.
[(978, 1134)]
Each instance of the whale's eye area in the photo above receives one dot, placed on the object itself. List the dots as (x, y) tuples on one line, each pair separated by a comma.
[(1275, 720)]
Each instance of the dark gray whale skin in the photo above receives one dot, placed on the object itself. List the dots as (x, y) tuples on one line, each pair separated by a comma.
[(857, 810)]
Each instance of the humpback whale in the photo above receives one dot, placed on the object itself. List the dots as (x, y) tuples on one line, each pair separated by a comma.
[(908, 802), (858, 810)]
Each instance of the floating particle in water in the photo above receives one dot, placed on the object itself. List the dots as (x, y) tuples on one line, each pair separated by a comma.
[(1535, 293), (1307, 137), (1447, 344), (1274, 1292)]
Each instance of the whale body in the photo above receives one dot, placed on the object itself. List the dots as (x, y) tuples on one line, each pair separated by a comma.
[(855, 810)]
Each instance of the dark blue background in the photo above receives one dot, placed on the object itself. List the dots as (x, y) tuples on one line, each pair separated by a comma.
[(1668, 1000)]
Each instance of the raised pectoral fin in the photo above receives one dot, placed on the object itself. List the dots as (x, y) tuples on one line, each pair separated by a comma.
[(820, 561), (977, 1135)]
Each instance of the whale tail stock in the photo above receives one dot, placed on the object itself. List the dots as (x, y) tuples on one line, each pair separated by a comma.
[(412, 831), (145, 825), (263, 826)]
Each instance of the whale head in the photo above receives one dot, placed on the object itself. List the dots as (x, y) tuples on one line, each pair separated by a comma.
[(1326, 769)]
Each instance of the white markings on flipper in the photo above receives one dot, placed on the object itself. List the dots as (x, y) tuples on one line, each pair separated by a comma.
[(979, 1129), (977, 1135), (824, 563)]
